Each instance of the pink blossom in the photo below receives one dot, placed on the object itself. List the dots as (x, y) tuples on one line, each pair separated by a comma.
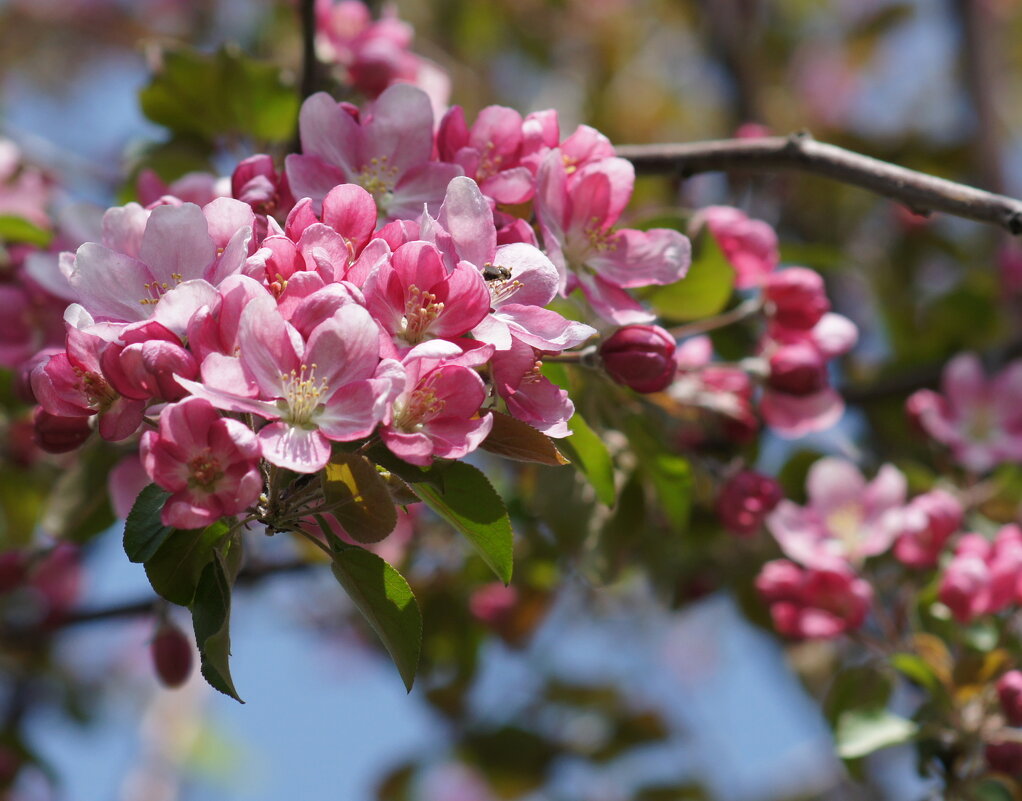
[(980, 420), (640, 357), (529, 395), (24, 190), (983, 576), (577, 218), (488, 152), (328, 386), (817, 603), (257, 182), (194, 187), (437, 414), (414, 298), (744, 501), (209, 463), (388, 151), (178, 250), (926, 524), (845, 520), (750, 246)]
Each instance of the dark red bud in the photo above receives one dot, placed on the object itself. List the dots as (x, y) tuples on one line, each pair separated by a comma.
[(745, 499), (1005, 757), (798, 297), (1009, 693), (640, 357), (172, 655), (55, 434), (798, 369)]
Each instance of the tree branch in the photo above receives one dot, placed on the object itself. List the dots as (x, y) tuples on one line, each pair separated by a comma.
[(922, 193), (310, 66)]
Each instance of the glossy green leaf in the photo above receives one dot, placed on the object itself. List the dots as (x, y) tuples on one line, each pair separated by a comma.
[(220, 94), (588, 453), (383, 596), (469, 502), (211, 615), (144, 532), (862, 731), (703, 292), (176, 567), (359, 497)]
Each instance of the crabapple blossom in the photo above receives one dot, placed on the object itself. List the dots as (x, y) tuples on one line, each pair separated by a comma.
[(750, 246), (983, 576), (979, 419), (817, 603), (387, 150), (577, 218), (845, 519), (796, 297), (208, 462)]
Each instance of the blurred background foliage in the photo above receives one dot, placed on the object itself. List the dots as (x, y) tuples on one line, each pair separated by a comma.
[(618, 664)]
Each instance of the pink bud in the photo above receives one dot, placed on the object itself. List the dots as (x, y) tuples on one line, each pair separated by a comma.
[(493, 603), (797, 369), (745, 499), (927, 523), (1005, 757), (798, 296), (172, 655), (1009, 693), (965, 587), (55, 434), (640, 357)]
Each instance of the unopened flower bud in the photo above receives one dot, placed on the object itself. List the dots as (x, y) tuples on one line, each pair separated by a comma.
[(927, 523), (798, 296), (640, 357), (745, 499), (1004, 757), (172, 655), (55, 434), (797, 369), (1009, 693)]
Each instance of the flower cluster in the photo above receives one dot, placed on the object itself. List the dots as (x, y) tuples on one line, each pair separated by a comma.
[(395, 300)]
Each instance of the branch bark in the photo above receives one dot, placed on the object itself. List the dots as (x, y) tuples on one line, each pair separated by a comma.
[(922, 193)]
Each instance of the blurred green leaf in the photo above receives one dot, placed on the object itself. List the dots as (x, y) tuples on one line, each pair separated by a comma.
[(703, 292), (469, 502), (211, 615), (79, 504), (915, 668), (359, 496), (383, 596), (862, 731), (591, 457), (220, 94), (177, 566), (18, 229), (144, 532)]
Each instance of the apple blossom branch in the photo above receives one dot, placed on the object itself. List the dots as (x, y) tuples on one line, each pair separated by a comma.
[(922, 193)]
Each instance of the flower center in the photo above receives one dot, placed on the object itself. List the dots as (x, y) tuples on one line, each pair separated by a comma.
[(378, 179), (205, 471), (981, 424), (421, 309), (302, 394), (489, 163), (845, 524), (98, 393), (420, 407), (157, 289)]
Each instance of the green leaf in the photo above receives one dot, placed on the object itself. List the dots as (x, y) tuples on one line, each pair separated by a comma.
[(862, 731), (469, 502), (359, 496), (144, 532), (220, 94), (177, 566), (588, 453), (79, 504), (18, 229), (669, 473), (211, 615), (386, 600), (703, 292), (516, 440), (916, 668)]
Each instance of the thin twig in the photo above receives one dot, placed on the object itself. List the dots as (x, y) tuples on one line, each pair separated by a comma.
[(744, 309), (922, 193), (310, 66)]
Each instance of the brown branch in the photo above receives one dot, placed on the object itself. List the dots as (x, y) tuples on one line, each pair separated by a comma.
[(310, 65), (920, 192)]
